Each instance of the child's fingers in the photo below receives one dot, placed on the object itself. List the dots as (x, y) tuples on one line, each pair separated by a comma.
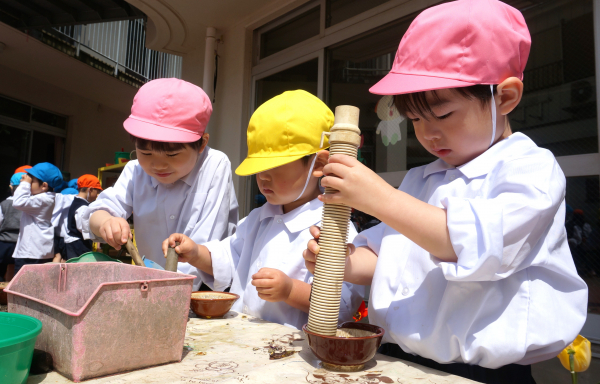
[(344, 160), (264, 273), (125, 231), (262, 283), (332, 182), (165, 246), (331, 198), (313, 247), (351, 249), (315, 231)]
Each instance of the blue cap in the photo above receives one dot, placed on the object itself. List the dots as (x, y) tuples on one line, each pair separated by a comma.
[(48, 173), (16, 178), (69, 191), (72, 184)]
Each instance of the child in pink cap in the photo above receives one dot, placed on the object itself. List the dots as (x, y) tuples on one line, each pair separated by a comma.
[(177, 184), (471, 271)]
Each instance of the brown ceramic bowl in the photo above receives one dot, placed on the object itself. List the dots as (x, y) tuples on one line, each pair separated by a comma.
[(346, 353), (3, 295), (210, 304)]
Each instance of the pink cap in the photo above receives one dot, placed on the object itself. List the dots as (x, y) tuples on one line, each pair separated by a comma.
[(169, 110), (459, 44)]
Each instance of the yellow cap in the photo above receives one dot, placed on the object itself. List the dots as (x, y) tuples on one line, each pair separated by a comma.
[(284, 129)]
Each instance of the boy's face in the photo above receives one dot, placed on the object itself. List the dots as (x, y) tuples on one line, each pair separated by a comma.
[(283, 184), (168, 167), (93, 195), (37, 187), (462, 130)]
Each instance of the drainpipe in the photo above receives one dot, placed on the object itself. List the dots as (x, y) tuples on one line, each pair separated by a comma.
[(210, 51)]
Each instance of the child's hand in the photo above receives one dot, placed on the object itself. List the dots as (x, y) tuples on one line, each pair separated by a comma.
[(358, 186), (26, 178), (115, 231), (312, 249), (187, 248), (272, 284)]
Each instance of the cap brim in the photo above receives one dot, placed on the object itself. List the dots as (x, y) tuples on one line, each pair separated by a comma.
[(154, 132), (254, 165), (399, 83)]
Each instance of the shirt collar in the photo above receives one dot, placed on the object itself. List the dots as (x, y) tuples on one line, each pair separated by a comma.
[(297, 220), (191, 177), (482, 164)]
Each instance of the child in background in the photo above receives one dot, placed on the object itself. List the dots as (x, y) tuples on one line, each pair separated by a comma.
[(471, 272), (262, 261), (35, 198), (75, 245), (10, 223), (177, 184)]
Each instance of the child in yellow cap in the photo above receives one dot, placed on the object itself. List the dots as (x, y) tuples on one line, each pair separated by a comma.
[(263, 260)]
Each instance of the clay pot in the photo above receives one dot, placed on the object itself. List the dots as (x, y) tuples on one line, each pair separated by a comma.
[(3, 295), (346, 353), (210, 304)]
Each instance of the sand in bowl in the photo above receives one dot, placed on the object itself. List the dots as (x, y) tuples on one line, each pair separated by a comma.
[(351, 332), (210, 296)]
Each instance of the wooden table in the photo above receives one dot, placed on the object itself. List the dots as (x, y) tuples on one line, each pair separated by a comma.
[(236, 349)]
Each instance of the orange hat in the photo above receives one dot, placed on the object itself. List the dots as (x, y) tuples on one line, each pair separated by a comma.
[(23, 168), (88, 181)]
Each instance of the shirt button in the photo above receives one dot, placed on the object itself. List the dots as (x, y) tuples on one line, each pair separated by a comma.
[(172, 217), (245, 309), (405, 291), (452, 177), (279, 221)]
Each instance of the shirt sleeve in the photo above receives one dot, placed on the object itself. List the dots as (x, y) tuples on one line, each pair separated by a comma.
[(1, 216), (215, 221), (370, 238), (225, 256), (79, 222), (24, 201), (116, 200), (499, 233), (352, 294)]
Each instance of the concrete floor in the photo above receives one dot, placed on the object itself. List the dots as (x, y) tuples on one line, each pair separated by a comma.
[(552, 372)]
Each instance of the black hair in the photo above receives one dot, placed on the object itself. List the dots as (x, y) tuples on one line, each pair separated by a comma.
[(306, 158), (83, 189), (160, 146), (417, 104)]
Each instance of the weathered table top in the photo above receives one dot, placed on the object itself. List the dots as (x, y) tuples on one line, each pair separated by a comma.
[(238, 349)]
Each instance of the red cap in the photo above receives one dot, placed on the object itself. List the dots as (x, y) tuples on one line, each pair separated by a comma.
[(23, 168), (459, 44), (88, 181), (169, 110)]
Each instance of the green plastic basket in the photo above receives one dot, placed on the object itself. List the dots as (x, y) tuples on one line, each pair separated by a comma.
[(17, 339), (92, 257)]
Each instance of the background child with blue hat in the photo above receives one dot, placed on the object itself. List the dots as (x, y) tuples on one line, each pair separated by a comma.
[(35, 197), (10, 223), (263, 261)]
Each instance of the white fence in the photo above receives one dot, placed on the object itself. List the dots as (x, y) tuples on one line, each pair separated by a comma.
[(123, 44)]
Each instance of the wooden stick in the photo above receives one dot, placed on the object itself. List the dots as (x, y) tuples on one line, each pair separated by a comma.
[(135, 255)]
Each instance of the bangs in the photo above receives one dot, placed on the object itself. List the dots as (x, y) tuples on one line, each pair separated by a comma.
[(417, 103), (162, 147)]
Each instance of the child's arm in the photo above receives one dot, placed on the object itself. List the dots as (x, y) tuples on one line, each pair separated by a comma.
[(25, 202), (362, 189), (274, 286), (189, 252)]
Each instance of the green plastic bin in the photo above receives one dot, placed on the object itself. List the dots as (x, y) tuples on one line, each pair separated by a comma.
[(17, 339), (92, 257)]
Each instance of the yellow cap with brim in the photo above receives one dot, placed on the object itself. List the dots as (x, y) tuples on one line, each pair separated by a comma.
[(284, 129)]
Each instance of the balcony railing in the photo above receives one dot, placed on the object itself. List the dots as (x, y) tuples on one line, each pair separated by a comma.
[(121, 44)]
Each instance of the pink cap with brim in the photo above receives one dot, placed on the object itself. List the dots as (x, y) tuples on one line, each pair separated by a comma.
[(459, 44), (169, 110)]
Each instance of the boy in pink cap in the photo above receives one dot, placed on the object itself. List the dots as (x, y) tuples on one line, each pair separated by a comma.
[(471, 271), (177, 184)]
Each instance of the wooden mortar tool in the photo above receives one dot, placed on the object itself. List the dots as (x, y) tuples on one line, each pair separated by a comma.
[(135, 255), (172, 259)]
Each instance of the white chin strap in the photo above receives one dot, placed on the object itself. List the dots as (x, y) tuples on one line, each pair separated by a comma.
[(307, 178), (493, 116)]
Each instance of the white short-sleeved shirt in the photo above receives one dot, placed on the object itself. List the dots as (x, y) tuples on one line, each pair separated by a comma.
[(62, 204), (36, 236), (268, 238), (202, 206), (514, 295)]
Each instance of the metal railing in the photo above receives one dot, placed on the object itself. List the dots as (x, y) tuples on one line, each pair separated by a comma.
[(122, 43)]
